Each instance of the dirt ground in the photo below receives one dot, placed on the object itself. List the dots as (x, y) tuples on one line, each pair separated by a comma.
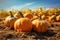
[(9, 34)]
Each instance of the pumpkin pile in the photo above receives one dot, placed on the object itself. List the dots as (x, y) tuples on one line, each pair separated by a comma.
[(25, 21)]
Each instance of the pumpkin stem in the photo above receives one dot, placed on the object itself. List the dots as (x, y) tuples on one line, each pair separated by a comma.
[(11, 14), (21, 14)]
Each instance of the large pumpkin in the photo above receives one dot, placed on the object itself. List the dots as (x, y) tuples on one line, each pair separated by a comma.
[(28, 15), (40, 25), (23, 25), (58, 18), (9, 21)]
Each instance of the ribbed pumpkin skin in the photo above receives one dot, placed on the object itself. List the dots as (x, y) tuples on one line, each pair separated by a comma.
[(28, 15), (58, 18), (9, 22), (40, 26), (23, 25)]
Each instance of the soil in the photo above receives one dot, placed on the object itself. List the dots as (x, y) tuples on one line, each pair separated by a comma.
[(10, 34)]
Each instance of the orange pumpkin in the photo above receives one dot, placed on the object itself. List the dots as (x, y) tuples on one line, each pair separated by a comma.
[(23, 25), (9, 21), (35, 17), (58, 18), (36, 14), (52, 18), (43, 17), (28, 15), (40, 25), (17, 14)]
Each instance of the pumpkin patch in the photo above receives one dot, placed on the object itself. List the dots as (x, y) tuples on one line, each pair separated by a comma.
[(30, 24)]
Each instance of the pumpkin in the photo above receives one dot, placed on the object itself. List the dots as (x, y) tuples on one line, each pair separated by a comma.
[(28, 15), (43, 17), (17, 14), (36, 14), (40, 25), (52, 18), (34, 17), (58, 18), (9, 21), (23, 24)]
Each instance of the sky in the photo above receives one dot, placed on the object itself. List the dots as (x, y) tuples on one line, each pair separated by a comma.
[(19, 4)]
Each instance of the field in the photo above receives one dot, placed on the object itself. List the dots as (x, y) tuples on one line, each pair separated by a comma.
[(53, 32)]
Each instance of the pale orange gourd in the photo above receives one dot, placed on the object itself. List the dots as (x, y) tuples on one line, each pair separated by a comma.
[(9, 21)]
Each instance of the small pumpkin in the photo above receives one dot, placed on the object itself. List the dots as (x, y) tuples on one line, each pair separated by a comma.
[(34, 17), (43, 17), (52, 18), (58, 18), (40, 25), (9, 21), (36, 14), (23, 24), (17, 14), (28, 15)]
